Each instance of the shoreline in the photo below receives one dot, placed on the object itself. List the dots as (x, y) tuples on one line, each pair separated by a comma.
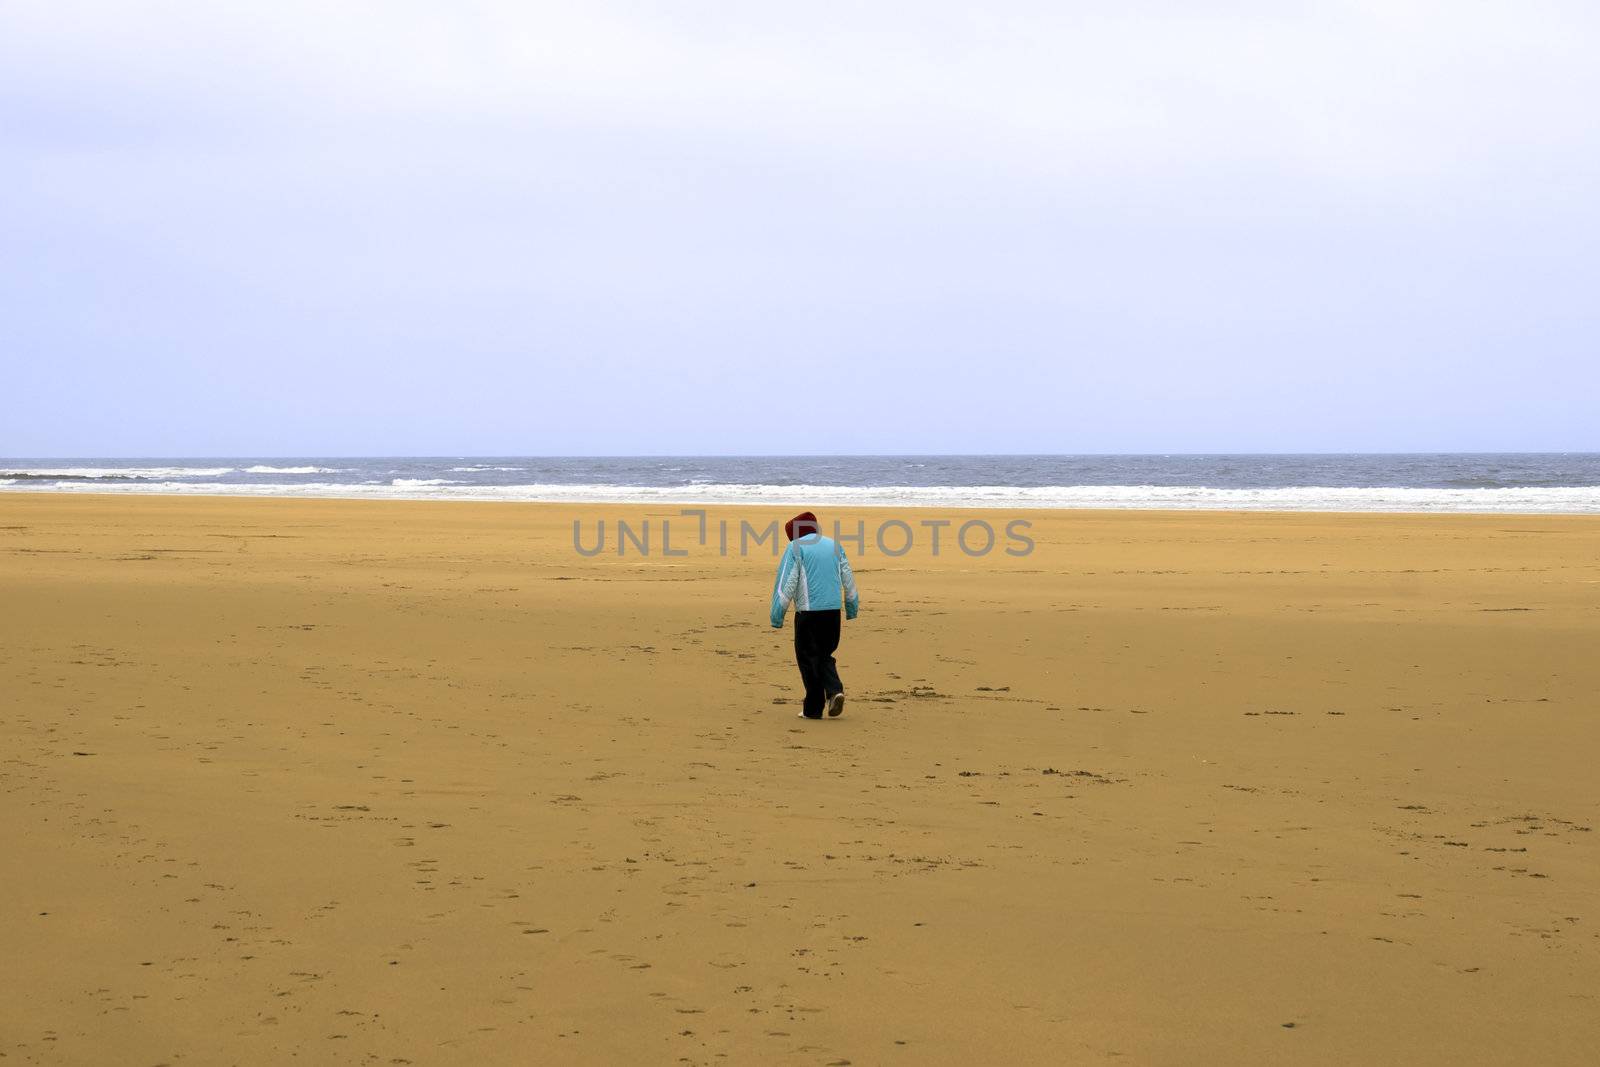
[(380, 496)]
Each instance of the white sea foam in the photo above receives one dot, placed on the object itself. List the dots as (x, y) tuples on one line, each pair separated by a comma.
[(1299, 498), (297, 470), (473, 470)]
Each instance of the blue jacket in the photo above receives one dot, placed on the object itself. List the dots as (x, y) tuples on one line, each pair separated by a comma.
[(814, 575)]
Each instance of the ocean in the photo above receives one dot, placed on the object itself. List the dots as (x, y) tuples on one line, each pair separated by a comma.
[(1567, 482)]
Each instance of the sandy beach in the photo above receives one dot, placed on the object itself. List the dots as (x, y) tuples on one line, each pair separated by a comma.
[(417, 783)]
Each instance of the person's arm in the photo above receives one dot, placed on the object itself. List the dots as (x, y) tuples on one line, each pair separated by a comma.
[(847, 580), (788, 583)]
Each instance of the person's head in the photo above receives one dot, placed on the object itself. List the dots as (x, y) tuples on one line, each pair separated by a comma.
[(802, 524)]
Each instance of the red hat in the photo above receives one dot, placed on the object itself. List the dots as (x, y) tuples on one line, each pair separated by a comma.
[(802, 524)]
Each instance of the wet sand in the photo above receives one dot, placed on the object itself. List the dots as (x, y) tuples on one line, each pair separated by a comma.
[(414, 782)]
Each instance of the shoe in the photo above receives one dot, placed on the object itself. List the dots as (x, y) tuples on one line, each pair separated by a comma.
[(803, 715), (836, 705)]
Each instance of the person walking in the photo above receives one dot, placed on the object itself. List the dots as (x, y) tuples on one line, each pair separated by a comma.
[(815, 577)]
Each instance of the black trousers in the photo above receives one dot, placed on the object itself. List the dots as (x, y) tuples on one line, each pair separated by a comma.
[(816, 638)]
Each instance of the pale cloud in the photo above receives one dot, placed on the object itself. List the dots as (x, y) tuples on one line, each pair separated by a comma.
[(1385, 205), (1353, 90)]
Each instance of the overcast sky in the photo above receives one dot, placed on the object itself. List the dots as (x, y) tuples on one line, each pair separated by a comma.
[(298, 228)]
